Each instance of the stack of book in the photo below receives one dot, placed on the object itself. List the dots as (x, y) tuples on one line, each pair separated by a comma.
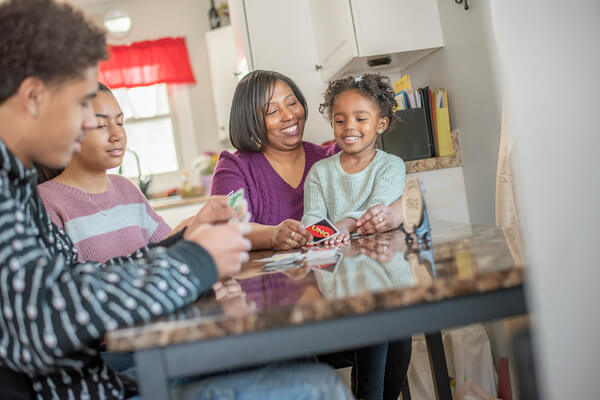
[(423, 127)]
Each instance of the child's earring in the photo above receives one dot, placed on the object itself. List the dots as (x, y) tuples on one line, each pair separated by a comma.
[(380, 131)]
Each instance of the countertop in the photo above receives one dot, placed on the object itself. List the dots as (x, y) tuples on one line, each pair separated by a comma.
[(375, 273), (161, 203), (429, 164)]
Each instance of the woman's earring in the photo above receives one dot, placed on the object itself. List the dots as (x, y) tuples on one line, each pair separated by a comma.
[(380, 131)]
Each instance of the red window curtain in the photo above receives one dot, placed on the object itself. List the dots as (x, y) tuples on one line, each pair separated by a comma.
[(147, 63)]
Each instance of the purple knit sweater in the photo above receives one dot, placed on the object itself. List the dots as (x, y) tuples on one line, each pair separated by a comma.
[(104, 225), (270, 199)]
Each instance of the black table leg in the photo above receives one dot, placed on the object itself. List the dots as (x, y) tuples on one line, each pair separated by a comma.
[(439, 369), (152, 374)]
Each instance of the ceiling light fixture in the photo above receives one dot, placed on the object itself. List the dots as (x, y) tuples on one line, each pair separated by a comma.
[(117, 23)]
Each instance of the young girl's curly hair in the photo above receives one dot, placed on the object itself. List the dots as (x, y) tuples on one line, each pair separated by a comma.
[(375, 86)]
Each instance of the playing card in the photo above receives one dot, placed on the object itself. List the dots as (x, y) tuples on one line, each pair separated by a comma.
[(238, 202), (322, 230)]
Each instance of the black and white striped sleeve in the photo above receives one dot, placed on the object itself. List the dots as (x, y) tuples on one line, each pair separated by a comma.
[(51, 308)]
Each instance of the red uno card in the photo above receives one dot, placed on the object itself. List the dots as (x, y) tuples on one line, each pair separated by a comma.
[(322, 230)]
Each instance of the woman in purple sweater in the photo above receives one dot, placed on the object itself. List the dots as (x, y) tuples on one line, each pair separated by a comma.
[(267, 121)]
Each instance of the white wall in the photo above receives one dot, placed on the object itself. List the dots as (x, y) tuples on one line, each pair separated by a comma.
[(550, 56), (466, 68), (153, 19)]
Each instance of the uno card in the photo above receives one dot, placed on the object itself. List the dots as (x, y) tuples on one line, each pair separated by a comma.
[(322, 230), (238, 202)]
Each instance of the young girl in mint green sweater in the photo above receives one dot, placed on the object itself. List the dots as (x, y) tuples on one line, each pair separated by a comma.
[(344, 186)]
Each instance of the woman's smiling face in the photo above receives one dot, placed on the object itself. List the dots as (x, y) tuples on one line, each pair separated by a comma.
[(284, 118)]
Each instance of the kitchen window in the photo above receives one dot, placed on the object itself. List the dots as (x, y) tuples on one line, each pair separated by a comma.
[(150, 131), (151, 79)]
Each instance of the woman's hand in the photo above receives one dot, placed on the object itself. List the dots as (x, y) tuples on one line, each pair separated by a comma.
[(290, 234), (380, 218)]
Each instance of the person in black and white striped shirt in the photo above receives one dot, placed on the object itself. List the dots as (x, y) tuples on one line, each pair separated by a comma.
[(55, 311)]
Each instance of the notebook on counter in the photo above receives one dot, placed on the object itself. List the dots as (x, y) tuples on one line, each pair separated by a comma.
[(408, 137)]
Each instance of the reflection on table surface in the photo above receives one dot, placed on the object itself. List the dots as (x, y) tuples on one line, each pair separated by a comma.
[(372, 273)]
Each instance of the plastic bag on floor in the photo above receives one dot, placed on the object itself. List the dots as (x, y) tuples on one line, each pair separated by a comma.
[(468, 355)]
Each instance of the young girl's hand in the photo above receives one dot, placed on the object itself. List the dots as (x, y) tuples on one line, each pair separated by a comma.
[(290, 234), (345, 227), (337, 240), (379, 218)]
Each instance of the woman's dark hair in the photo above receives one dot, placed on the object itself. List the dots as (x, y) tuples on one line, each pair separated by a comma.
[(47, 40), (247, 128), (374, 86), (46, 174)]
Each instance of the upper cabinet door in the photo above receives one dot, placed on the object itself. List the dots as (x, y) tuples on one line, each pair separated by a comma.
[(333, 30), (393, 26), (348, 33)]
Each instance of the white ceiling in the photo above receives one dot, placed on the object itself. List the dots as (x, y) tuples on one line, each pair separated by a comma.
[(81, 3)]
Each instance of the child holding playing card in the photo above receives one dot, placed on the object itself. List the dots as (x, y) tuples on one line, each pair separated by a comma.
[(343, 187)]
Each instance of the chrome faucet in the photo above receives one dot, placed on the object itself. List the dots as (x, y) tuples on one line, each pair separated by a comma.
[(143, 180)]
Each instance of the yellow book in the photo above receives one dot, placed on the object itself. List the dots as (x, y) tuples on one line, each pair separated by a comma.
[(403, 84), (442, 123)]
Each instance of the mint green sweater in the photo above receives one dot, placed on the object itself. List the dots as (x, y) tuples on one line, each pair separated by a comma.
[(331, 192)]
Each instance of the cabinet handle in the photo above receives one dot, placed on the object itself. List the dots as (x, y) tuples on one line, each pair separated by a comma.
[(318, 67), (466, 3)]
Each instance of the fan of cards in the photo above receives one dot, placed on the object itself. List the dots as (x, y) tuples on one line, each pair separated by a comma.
[(238, 202)]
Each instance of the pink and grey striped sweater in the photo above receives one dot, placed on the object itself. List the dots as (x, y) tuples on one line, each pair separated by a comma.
[(104, 225)]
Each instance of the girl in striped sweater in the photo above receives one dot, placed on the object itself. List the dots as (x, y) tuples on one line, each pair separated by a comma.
[(105, 215)]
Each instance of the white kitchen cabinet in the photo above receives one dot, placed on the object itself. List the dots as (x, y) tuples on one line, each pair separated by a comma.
[(241, 42), (349, 34), (224, 76), (277, 35), (174, 215)]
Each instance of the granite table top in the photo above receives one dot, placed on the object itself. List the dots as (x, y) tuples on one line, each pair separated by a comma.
[(372, 273)]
